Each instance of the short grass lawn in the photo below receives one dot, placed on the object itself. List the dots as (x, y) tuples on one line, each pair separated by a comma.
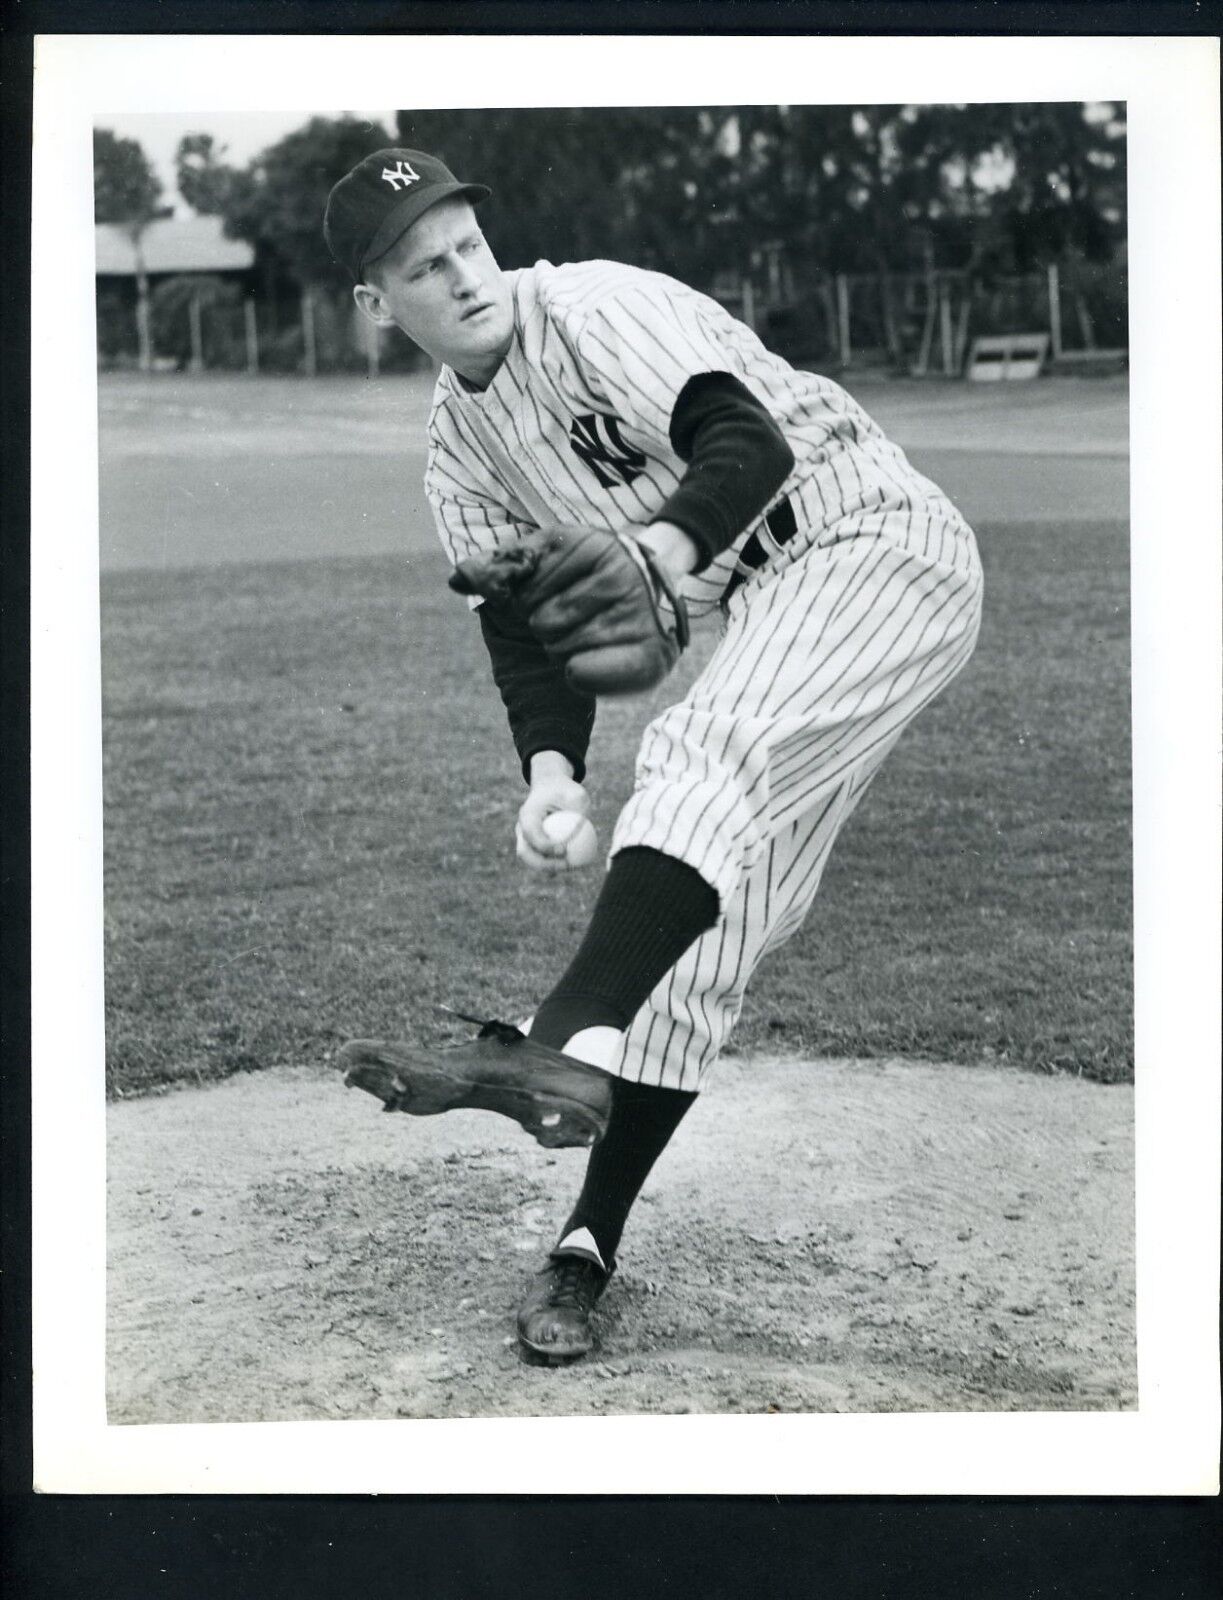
[(310, 796)]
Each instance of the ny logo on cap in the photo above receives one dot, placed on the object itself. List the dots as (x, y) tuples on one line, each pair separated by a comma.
[(402, 174)]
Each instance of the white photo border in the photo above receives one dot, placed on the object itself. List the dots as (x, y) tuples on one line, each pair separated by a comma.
[(1169, 1445)]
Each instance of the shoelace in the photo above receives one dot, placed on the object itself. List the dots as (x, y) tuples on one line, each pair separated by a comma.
[(575, 1283)]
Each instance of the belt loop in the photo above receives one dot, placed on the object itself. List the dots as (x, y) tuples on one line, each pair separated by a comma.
[(782, 525), (781, 521)]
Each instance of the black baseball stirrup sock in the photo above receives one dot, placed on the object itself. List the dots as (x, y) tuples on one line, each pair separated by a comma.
[(642, 1121), (650, 909)]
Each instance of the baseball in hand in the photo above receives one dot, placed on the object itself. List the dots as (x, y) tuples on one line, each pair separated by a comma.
[(576, 833)]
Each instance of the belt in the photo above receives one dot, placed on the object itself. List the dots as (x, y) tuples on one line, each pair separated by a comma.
[(782, 526)]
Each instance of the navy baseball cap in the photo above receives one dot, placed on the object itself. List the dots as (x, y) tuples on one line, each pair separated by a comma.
[(381, 198)]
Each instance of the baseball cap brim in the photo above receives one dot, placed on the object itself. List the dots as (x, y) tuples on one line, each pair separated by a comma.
[(401, 217)]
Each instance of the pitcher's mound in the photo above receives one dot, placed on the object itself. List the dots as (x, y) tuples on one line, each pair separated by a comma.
[(821, 1236)]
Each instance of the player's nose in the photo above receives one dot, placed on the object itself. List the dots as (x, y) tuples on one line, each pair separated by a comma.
[(465, 279)]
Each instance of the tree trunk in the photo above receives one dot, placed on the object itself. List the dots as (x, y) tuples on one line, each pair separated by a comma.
[(144, 333), (197, 334), (144, 321), (843, 319), (1085, 323), (828, 306), (944, 311), (922, 365), (252, 336), (961, 328), (1055, 313), (749, 303), (309, 353), (890, 335)]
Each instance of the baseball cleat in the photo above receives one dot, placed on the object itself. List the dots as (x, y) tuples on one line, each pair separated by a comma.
[(554, 1319), (559, 1101)]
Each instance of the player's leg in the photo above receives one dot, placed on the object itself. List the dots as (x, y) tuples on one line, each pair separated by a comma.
[(821, 667), (822, 664), (553, 1083), (817, 676), (750, 779), (649, 911), (650, 908), (662, 1061), (554, 1319), (678, 1035)]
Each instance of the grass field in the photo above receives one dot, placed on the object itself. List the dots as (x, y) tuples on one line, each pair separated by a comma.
[(310, 792)]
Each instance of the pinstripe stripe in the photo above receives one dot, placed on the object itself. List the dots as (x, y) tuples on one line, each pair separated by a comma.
[(828, 746), (710, 991), (898, 716), (802, 854), (653, 1018), (815, 858), (550, 483), (912, 594), (828, 757)]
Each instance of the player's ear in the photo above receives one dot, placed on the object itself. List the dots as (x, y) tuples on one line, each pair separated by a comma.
[(371, 304)]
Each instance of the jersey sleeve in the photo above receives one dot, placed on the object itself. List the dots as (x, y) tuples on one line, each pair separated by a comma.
[(467, 520), (644, 339), (737, 460)]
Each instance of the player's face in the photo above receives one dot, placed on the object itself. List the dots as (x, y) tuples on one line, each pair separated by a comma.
[(440, 283)]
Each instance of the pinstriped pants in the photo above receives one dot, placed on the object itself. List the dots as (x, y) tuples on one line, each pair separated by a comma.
[(829, 651)]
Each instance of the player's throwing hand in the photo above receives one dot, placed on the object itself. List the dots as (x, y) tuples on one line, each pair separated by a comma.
[(552, 790)]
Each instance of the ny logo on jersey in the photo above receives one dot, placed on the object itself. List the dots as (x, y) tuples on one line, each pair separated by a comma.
[(402, 175), (596, 440)]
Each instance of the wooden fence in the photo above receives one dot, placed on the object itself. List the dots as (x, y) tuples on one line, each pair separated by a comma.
[(920, 324), (923, 324)]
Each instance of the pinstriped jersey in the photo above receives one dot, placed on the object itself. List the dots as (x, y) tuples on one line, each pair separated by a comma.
[(575, 425)]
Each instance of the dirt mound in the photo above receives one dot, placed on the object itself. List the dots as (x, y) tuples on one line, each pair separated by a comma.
[(828, 1236)]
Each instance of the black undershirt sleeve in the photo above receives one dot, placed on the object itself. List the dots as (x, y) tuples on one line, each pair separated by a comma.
[(737, 459), (544, 712)]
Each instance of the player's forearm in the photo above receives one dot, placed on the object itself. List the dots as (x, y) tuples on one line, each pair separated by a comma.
[(545, 765), (677, 550), (737, 457), (546, 715)]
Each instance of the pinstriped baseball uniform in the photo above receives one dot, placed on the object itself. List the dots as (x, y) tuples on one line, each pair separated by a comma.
[(849, 604)]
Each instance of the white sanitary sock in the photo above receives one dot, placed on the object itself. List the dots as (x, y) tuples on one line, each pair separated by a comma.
[(595, 1046)]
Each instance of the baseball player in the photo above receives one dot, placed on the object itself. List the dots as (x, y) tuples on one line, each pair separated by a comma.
[(610, 453)]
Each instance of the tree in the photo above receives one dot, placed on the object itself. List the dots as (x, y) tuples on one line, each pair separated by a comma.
[(572, 184), (177, 303), (278, 203), (126, 191), (877, 191), (795, 193), (125, 187), (205, 181)]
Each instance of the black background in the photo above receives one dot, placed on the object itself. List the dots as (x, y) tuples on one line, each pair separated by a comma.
[(720, 1548)]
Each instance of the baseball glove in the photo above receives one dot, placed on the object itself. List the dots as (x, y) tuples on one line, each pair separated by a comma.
[(600, 602)]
